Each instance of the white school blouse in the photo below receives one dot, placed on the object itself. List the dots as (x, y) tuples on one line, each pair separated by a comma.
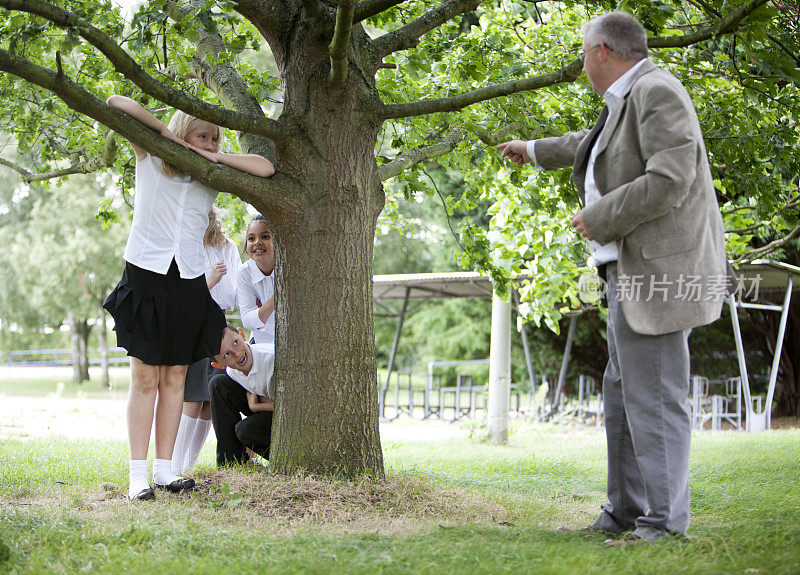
[(170, 217), (224, 293), (254, 289)]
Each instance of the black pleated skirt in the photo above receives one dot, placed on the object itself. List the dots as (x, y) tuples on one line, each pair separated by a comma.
[(198, 376), (163, 319)]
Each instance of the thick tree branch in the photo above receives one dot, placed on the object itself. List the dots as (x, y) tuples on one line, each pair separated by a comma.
[(270, 17), (368, 8), (412, 157), (724, 26), (222, 79), (565, 75), (341, 39), (128, 67), (220, 177), (408, 36)]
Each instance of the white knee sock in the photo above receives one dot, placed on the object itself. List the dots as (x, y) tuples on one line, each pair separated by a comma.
[(162, 472), (194, 443), (185, 432), (137, 477)]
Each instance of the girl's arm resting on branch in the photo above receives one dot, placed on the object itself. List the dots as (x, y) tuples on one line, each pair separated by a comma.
[(135, 110), (250, 163)]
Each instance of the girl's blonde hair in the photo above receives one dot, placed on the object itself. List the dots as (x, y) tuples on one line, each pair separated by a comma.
[(181, 124), (215, 235)]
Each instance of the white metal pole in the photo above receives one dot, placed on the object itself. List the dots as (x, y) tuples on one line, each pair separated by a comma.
[(499, 370), (776, 358)]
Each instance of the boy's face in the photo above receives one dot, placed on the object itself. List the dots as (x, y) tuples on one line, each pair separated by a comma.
[(234, 352)]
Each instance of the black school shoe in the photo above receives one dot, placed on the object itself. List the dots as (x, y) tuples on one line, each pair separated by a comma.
[(146, 494), (179, 485)]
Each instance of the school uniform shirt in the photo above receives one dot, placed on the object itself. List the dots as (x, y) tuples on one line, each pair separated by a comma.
[(170, 217), (259, 380), (254, 289), (224, 293)]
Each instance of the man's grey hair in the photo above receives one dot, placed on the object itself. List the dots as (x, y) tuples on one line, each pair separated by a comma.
[(619, 31)]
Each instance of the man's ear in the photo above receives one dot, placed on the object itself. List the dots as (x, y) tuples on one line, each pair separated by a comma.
[(217, 365), (241, 333)]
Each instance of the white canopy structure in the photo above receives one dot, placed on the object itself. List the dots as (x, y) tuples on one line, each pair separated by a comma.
[(429, 286), (762, 280), (759, 280)]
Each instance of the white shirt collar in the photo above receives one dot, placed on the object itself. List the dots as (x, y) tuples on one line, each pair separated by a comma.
[(256, 275), (259, 379), (617, 90)]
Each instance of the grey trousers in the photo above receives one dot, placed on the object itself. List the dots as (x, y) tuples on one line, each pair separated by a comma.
[(648, 427)]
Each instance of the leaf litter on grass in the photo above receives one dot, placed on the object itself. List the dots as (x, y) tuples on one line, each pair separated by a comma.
[(402, 503)]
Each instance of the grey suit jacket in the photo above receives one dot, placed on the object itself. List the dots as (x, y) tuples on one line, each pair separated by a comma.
[(658, 203)]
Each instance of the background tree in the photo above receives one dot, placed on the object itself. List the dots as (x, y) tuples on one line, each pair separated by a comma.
[(64, 264), (16, 309), (357, 79)]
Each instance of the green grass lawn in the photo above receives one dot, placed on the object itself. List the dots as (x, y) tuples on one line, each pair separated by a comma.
[(452, 506), (48, 385)]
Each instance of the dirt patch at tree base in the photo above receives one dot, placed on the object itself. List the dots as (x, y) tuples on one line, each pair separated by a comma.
[(250, 498), (398, 504)]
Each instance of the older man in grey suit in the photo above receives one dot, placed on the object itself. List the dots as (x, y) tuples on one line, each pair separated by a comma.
[(655, 231)]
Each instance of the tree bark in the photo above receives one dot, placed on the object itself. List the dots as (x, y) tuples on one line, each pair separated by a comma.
[(80, 360), (328, 423)]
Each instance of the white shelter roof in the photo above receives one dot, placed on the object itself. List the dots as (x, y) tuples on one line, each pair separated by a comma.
[(431, 286), (772, 275)]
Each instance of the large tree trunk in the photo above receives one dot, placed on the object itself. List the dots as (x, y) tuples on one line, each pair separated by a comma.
[(80, 329), (327, 423), (103, 335), (326, 418)]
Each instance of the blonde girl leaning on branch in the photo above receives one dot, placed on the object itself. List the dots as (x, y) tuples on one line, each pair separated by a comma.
[(164, 314)]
